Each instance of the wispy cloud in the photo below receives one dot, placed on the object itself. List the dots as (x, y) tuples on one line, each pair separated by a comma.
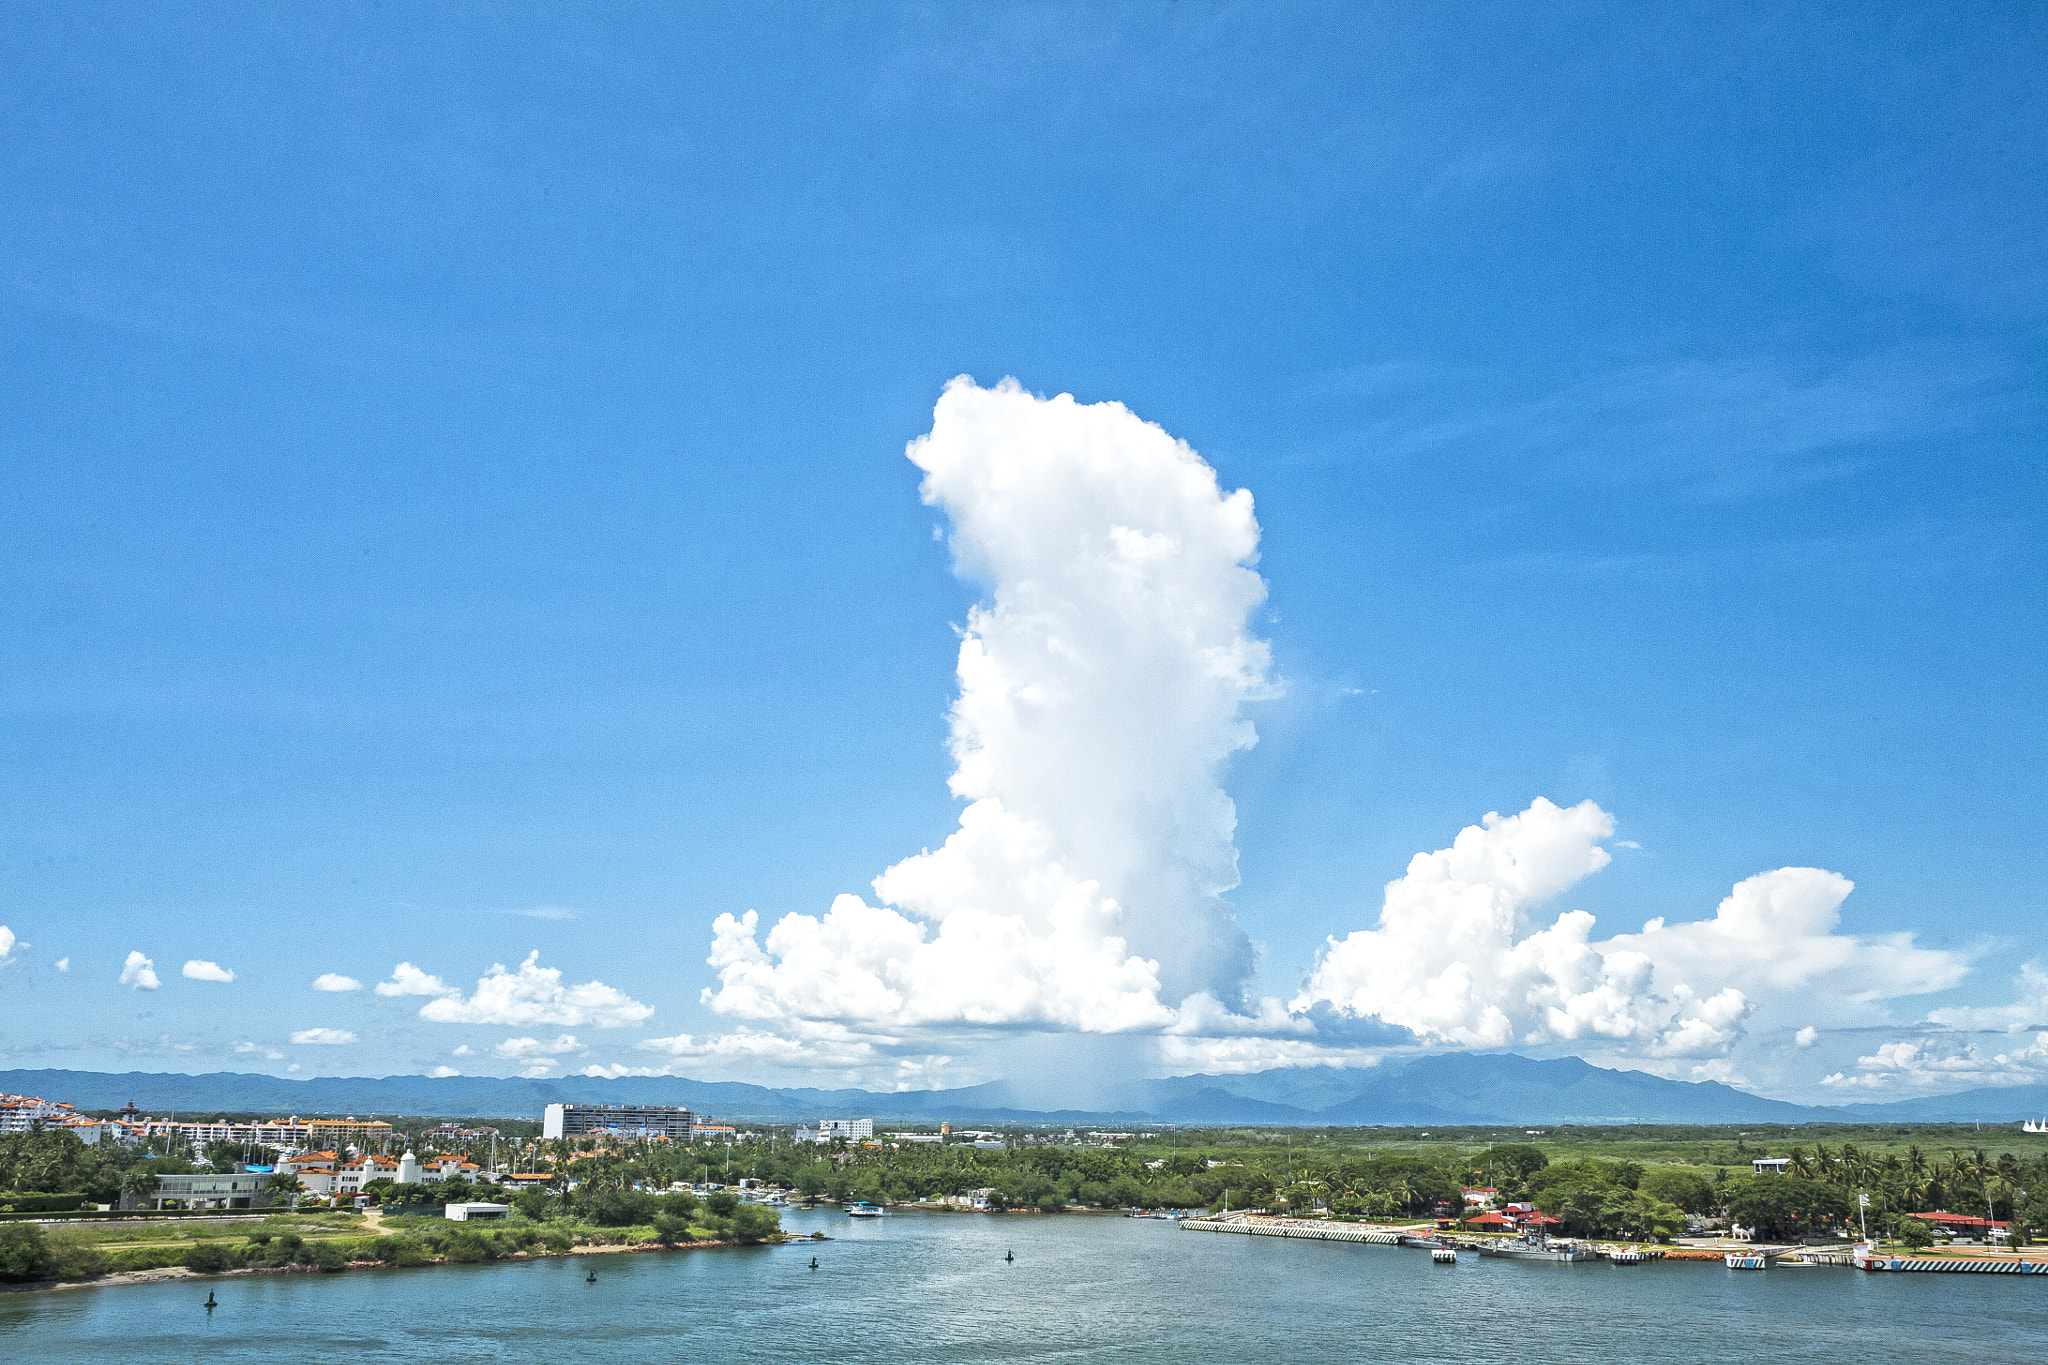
[(1727, 427), (542, 912)]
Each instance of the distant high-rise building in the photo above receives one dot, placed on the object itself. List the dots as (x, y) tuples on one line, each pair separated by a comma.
[(850, 1129), (617, 1120)]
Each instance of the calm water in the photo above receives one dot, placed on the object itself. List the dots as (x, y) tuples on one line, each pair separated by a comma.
[(934, 1287)]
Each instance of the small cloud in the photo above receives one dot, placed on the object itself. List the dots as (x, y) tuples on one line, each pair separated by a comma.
[(63, 964), (199, 970), (335, 981), (138, 973), (407, 979), (531, 1049), (270, 1054), (544, 912), (1807, 1036), (325, 1037), (534, 995), (1626, 843), (8, 943), (442, 1073), (293, 1067), (462, 1051)]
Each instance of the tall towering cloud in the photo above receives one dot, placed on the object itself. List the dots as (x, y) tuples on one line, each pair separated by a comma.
[(1100, 687)]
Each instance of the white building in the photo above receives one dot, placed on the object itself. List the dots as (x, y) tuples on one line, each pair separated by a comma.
[(471, 1213), (853, 1130), (21, 1113)]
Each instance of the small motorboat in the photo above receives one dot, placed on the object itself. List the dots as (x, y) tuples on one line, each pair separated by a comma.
[(863, 1210), (1443, 1255)]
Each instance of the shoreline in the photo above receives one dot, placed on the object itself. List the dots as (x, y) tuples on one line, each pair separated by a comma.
[(162, 1274)]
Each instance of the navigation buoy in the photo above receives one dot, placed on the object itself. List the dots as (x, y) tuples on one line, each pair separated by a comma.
[(210, 1304), (814, 1263), (1009, 1256), (590, 1278)]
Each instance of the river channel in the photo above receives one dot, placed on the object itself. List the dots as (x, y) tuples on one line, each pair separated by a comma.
[(936, 1287)]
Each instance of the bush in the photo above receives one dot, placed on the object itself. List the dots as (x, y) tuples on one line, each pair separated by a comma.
[(23, 1252), (399, 1251), (668, 1229), (534, 1204), (678, 1205), (619, 1208), (469, 1247), (327, 1256), (754, 1223), (71, 1257), (210, 1258), (722, 1203), (43, 1203), (1915, 1233), (557, 1239)]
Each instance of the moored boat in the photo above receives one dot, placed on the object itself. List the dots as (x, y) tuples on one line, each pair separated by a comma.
[(1538, 1249), (864, 1210), (1443, 1255), (1629, 1257), (1747, 1260)]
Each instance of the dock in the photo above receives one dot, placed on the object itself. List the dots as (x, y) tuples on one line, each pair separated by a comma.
[(1311, 1229)]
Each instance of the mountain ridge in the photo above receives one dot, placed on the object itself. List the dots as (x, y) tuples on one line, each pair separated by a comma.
[(1452, 1089)]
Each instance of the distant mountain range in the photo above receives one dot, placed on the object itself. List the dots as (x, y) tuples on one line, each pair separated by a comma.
[(1451, 1090)]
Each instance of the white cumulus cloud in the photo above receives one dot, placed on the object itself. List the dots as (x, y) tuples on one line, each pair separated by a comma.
[(1100, 688), (1806, 1037), (407, 979), (270, 1054), (527, 1049), (8, 943), (323, 1037), (534, 994), (138, 973), (335, 981), (199, 970), (1456, 957), (443, 1072), (63, 964), (1937, 1062)]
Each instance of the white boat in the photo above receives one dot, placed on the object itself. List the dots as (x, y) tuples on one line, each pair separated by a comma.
[(1443, 1256), (863, 1211), (1538, 1249), (1747, 1260), (1630, 1257)]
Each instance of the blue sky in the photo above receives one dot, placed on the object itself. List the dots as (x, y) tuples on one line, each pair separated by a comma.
[(457, 503)]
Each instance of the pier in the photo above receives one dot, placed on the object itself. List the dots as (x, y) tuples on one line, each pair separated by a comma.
[(1312, 1229)]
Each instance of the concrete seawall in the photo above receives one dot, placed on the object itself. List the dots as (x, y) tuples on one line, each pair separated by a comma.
[(1257, 1225)]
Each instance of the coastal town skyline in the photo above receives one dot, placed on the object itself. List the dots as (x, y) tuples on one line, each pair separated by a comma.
[(1444, 575)]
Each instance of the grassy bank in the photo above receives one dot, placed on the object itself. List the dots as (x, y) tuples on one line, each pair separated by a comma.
[(326, 1243)]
